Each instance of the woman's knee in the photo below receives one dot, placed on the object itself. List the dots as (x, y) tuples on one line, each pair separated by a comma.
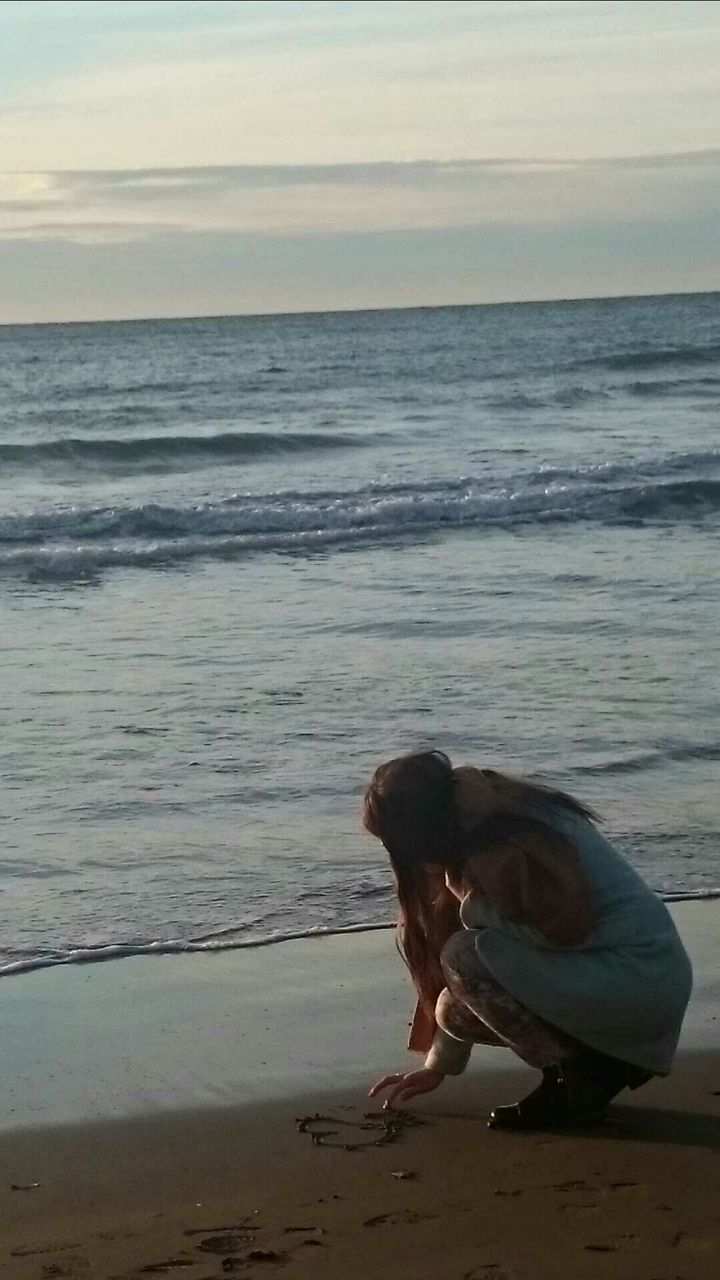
[(445, 1010), (458, 952), (454, 1018)]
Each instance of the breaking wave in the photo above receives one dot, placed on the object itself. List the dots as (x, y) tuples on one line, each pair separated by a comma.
[(226, 939), (654, 357), (639, 763), (80, 543), (165, 452)]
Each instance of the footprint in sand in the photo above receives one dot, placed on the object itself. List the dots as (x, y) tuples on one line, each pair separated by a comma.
[(488, 1271), (71, 1268), (608, 1246), (232, 1242), (29, 1250), (577, 1185), (234, 1229), (697, 1245), (310, 1236), (166, 1268), (405, 1216), (260, 1257)]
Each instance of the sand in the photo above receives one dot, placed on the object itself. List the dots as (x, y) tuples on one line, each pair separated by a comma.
[(196, 1190)]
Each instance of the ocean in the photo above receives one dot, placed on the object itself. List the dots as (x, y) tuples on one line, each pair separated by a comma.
[(243, 560)]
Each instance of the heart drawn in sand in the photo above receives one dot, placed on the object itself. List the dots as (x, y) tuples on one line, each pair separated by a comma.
[(385, 1126)]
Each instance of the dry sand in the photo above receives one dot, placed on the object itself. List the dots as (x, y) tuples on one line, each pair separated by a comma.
[(208, 1192)]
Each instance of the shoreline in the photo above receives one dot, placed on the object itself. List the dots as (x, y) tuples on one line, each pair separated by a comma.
[(151, 1128), (187, 1031), (213, 943)]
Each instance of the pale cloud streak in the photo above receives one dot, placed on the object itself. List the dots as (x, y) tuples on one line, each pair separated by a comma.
[(91, 207)]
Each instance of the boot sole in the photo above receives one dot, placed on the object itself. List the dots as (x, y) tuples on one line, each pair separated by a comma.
[(572, 1122)]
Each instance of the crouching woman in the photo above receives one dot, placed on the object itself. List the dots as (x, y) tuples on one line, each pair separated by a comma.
[(523, 927)]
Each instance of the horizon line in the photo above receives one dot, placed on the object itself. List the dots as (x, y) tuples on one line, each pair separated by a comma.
[(334, 311)]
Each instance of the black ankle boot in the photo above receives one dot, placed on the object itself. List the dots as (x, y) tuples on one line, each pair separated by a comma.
[(588, 1068), (577, 1091), (534, 1110)]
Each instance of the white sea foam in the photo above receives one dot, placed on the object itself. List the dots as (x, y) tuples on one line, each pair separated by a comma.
[(221, 942), (79, 542)]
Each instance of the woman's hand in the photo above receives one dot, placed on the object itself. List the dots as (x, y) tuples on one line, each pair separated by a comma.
[(406, 1085)]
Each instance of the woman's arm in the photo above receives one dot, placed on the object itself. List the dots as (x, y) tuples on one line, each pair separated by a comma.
[(422, 1029), (445, 922)]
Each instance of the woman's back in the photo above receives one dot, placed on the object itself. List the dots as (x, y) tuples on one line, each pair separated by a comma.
[(632, 946), (628, 911)]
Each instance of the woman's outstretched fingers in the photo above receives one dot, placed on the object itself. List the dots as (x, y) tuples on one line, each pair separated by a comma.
[(385, 1083), (406, 1084), (401, 1093)]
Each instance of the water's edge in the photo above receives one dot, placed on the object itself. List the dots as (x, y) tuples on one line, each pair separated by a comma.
[(220, 942)]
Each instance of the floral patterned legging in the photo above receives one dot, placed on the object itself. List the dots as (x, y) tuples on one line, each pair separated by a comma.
[(476, 1009)]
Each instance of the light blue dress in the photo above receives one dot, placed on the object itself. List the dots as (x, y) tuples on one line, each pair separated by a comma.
[(624, 990)]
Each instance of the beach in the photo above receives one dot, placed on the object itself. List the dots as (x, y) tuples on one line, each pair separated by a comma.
[(359, 521), (158, 1132)]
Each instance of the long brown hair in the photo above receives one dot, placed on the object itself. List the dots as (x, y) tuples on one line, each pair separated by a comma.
[(410, 806)]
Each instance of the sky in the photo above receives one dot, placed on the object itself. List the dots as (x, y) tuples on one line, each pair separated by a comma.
[(185, 157)]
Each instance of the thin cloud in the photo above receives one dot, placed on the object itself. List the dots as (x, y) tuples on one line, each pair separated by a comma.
[(708, 156), (412, 172), (83, 204), (89, 233)]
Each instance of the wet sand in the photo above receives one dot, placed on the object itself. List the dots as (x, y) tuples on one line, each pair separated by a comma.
[(222, 1180)]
